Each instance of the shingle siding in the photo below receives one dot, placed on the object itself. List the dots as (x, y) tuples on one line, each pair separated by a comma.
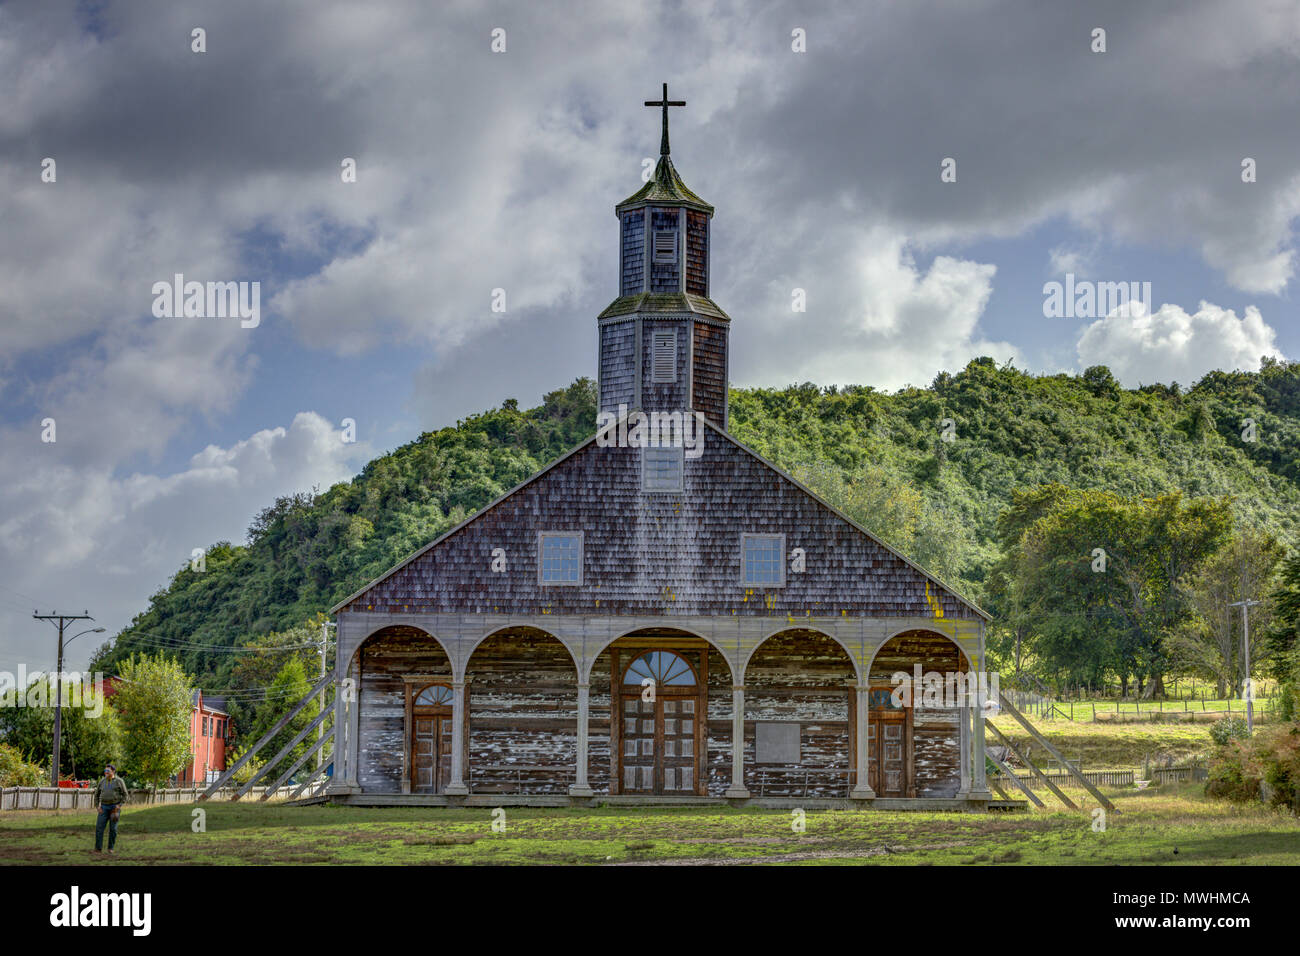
[(709, 377), (664, 396), (697, 252), (660, 554), (617, 365), (633, 271)]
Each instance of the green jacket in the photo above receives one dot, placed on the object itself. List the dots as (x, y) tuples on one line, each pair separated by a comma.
[(110, 793)]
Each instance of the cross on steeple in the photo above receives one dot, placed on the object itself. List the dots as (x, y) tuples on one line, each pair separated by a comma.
[(665, 103)]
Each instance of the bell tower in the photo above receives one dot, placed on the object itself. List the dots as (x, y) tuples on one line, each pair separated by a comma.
[(663, 341)]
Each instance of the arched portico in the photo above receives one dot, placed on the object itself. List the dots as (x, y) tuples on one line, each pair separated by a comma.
[(654, 693), (923, 735), (521, 692), (378, 683), (800, 704)]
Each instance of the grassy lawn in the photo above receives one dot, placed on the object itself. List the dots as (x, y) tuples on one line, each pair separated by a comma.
[(1176, 825), (1110, 746)]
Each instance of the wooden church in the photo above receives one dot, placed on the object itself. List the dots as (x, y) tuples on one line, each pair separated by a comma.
[(670, 623)]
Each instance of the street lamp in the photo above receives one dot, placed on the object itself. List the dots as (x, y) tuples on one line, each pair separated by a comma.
[(58, 699), (1248, 687)]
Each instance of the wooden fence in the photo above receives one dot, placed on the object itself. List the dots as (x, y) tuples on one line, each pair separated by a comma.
[(82, 798), (1098, 778), (1090, 710), (1179, 774)]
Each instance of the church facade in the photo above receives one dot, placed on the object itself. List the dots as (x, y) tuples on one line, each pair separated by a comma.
[(661, 615)]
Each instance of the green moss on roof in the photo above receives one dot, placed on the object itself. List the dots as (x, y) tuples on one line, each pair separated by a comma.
[(665, 186), (664, 302)]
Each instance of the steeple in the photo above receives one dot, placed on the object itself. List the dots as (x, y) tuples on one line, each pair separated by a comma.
[(663, 341)]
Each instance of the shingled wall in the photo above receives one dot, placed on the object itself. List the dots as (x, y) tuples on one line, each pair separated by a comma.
[(633, 252), (709, 378), (617, 364), (660, 553), (697, 252)]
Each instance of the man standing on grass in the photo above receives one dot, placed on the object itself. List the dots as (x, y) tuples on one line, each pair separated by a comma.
[(110, 794)]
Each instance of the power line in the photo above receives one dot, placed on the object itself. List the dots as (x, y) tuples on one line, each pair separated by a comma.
[(169, 642)]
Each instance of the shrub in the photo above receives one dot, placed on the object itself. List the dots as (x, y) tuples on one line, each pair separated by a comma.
[(1267, 766), (1280, 757), (1234, 773), (1224, 731), (15, 771)]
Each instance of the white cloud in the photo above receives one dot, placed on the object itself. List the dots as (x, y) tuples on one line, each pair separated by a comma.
[(1066, 259), (85, 536), (1171, 345), (874, 316)]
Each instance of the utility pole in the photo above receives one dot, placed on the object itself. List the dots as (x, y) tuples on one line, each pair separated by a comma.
[(1249, 686), (324, 646), (58, 683)]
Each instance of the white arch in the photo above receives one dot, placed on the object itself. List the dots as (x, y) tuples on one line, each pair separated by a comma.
[(478, 642), (970, 664), (857, 675), (356, 651), (601, 648)]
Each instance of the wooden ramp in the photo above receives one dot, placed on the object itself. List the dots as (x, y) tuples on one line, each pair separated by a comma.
[(1051, 749)]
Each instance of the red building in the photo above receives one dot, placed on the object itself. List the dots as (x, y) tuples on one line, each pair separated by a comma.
[(209, 732)]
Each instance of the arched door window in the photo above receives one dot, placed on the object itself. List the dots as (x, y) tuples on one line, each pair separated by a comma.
[(665, 668), (435, 695)]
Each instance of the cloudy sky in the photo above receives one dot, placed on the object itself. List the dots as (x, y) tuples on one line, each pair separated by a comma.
[(479, 170)]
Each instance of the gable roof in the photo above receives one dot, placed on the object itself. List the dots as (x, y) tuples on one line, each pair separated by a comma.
[(404, 563)]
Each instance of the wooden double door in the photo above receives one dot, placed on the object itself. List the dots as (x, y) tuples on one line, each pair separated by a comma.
[(661, 734), (659, 752), (890, 770)]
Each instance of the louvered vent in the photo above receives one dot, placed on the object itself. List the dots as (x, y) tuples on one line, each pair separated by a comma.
[(665, 248), (665, 358)]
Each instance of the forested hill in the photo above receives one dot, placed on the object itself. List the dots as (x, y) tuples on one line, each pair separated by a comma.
[(928, 469)]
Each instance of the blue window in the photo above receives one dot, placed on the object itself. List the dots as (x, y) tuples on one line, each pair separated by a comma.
[(560, 557), (762, 560)]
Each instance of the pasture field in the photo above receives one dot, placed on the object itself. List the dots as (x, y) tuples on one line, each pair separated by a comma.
[(1175, 825), (1112, 745)]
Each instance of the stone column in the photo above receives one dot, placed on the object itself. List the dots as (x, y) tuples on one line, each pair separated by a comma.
[(737, 789), (580, 787), (862, 783), (457, 786)]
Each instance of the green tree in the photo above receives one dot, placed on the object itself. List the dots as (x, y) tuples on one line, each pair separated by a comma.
[(1284, 634), (90, 732), (1210, 645), (154, 704), (289, 687), (1106, 577)]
